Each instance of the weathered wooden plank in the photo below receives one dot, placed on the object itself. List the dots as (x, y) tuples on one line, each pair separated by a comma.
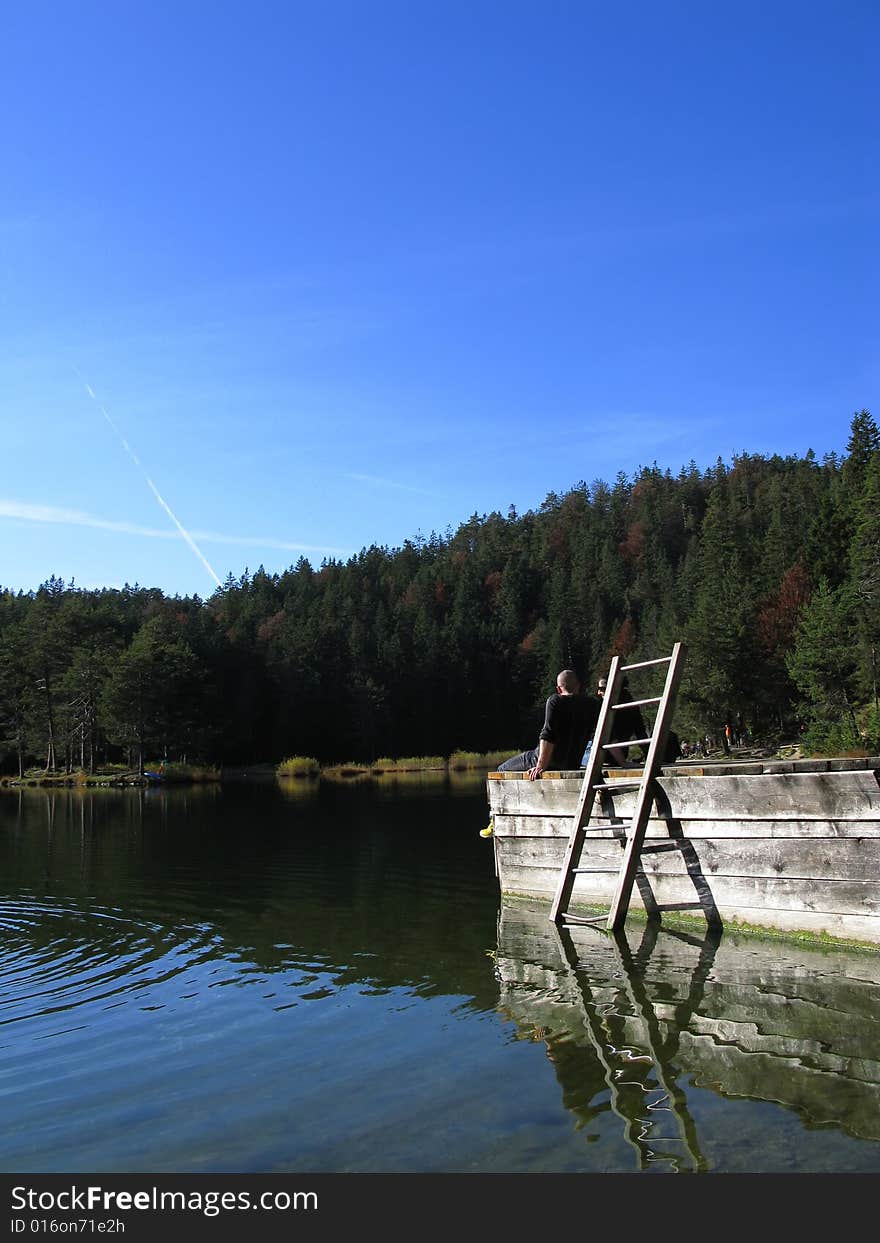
[(782, 985), (760, 978), (792, 893), (801, 796), (826, 859), (553, 827), (789, 904), (532, 883), (733, 893), (717, 768)]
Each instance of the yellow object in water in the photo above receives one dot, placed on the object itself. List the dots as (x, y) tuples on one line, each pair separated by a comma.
[(489, 829)]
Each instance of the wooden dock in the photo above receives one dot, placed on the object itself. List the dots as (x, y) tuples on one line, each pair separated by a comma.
[(784, 845)]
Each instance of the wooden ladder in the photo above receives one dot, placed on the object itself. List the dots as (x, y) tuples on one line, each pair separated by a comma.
[(592, 782)]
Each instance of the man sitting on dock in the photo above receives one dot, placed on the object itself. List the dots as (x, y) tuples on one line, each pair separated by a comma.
[(569, 721)]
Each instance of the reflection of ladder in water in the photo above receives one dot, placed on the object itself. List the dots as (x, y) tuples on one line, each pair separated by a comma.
[(634, 847), (616, 1057)]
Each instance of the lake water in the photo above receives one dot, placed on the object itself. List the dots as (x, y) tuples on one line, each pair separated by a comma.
[(256, 978)]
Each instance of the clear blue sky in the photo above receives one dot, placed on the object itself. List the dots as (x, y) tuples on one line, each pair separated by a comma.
[(344, 273)]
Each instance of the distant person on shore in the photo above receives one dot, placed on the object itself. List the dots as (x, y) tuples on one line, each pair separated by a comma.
[(569, 722)]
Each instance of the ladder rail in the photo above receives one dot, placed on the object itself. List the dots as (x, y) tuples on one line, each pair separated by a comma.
[(586, 800), (653, 762)]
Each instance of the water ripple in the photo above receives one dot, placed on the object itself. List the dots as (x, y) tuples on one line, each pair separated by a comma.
[(57, 958)]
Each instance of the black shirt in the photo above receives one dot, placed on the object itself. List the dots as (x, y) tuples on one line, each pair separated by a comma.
[(569, 723)]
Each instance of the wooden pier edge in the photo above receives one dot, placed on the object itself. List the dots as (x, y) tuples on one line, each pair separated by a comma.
[(793, 852)]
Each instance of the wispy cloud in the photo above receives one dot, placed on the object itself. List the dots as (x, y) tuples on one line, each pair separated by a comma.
[(24, 512), (377, 482)]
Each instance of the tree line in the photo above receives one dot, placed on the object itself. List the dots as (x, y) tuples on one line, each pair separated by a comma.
[(767, 567)]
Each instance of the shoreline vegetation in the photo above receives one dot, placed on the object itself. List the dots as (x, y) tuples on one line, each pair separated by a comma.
[(116, 775), (307, 769), (297, 767)]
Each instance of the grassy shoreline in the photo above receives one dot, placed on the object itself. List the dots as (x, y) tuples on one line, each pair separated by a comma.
[(299, 768), (116, 775), (294, 768)]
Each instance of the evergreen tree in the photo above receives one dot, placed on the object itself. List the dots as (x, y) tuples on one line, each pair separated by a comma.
[(865, 570), (822, 662), (151, 699)]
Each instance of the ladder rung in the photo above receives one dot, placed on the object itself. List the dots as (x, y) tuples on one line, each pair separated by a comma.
[(621, 824), (658, 846), (577, 919), (630, 742), (643, 664), (593, 869), (618, 785), (638, 703), (680, 906)]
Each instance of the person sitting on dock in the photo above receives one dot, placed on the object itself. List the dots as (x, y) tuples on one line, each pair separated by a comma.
[(627, 723), (601, 687), (569, 721)]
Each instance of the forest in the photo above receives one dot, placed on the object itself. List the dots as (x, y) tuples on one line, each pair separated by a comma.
[(767, 567)]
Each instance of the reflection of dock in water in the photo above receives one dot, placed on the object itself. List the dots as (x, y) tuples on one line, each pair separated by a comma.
[(630, 1022), (656, 1116)]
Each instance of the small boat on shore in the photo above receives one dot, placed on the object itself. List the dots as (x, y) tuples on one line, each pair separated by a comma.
[(791, 846)]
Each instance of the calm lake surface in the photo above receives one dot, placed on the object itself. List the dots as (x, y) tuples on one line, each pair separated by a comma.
[(256, 978)]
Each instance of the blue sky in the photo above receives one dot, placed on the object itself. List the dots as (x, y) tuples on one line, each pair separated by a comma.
[(346, 273)]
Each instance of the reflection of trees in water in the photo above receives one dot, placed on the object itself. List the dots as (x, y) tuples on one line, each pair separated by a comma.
[(624, 1026), (379, 890)]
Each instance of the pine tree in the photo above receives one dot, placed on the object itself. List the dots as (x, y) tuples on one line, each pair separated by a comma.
[(822, 662), (863, 443), (865, 571)]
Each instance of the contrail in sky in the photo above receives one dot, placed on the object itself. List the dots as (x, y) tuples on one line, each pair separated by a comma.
[(22, 511), (168, 510)]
